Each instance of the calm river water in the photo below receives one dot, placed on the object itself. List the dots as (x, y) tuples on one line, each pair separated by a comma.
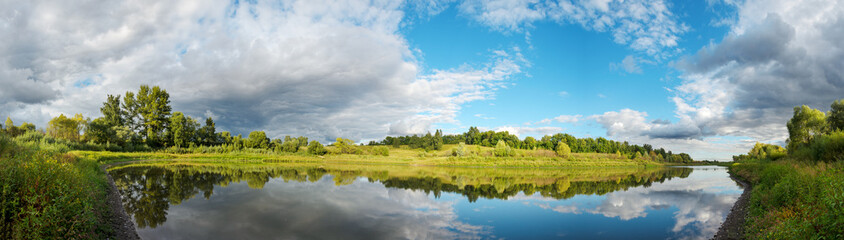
[(300, 201)]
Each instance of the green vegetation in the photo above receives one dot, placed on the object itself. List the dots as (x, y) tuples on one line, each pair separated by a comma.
[(548, 142), (798, 193), (45, 194)]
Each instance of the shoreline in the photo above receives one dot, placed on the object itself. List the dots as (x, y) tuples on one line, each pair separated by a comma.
[(121, 223), (733, 226)]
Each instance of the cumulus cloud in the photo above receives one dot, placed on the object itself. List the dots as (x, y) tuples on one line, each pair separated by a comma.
[(321, 69), (519, 131), (647, 26), (777, 55)]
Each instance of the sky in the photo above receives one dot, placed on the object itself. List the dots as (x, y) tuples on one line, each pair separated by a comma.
[(709, 78)]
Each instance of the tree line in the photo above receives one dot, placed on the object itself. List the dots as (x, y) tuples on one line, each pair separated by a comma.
[(144, 121), (559, 142)]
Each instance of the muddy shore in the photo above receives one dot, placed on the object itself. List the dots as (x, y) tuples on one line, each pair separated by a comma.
[(121, 223), (733, 227)]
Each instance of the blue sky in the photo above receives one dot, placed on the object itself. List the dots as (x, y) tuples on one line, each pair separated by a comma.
[(705, 77)]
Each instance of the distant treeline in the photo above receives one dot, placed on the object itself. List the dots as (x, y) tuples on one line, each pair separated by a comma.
[(144, 121), (549, 142)]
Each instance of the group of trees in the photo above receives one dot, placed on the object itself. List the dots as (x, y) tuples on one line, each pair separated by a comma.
[(10, 129), (762, 151), (813, 134), (145, 121), (570, 144)]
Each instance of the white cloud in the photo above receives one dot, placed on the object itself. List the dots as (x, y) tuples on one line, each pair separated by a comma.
[(321, 69), (519, 131), (777, 55), (647, 26)]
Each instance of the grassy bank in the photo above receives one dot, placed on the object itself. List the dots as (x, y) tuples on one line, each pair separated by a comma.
[(793, 199), (45, 194), (478, 157)]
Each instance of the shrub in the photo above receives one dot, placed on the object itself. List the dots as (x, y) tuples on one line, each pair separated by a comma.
[(563, 150), (316, 148), (502, 150), (381, 150), (459, 151)]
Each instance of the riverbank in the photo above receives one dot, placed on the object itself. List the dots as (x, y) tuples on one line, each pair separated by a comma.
[(396, 157), (789, 199), (733, 226), (121, 223)]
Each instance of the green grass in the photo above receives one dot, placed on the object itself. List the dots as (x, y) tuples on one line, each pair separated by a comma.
[(794, 199), (50, 195), (478, 157)]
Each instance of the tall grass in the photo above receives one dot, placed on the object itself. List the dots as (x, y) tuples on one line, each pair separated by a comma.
[(46, 194), (794, 199)]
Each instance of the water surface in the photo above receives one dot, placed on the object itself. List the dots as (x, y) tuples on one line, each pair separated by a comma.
[(302, 201)]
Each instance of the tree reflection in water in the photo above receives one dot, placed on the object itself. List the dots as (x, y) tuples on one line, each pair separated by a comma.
[(148, 190)]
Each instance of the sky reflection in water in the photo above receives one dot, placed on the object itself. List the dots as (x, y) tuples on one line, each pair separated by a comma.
[(333, 204)]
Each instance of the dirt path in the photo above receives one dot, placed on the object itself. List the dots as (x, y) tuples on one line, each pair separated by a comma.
[(733, 227)]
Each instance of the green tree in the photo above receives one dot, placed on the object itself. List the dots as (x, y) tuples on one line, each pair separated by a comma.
[(131, 112), (290, 145), (112, 112), (207, 135), (438, 140), (66, 128), (154, 107), (258, 139), (836, 115), (346, 146), (99, 131), (316, 148), (563, 150), (182, 129), (26, 127), (804, 126)]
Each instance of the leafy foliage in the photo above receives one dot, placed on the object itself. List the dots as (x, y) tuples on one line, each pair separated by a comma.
[(563, 150)]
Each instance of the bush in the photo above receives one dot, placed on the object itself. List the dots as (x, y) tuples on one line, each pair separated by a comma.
[(502, 150), (459, 151), (381, 150), (316, 148), (828, 148), (563, 150)]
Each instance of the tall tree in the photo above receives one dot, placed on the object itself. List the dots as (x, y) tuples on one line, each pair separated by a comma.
[(154, 107), (9, 123), (132, 116), (112, 112), (836, 115), (804, 126), (207, 133)]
